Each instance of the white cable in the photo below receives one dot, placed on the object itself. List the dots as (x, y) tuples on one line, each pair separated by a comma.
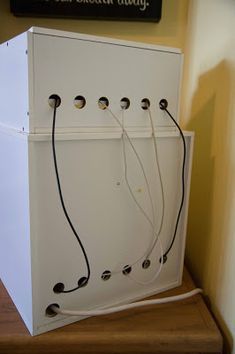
[(160, 179), (140, 163), (126, 172), (150, 249), (127, 181), (153, 244), (115, 309), (146, 254), (152, 223)]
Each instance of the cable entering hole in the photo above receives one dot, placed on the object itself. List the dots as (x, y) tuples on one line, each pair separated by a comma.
[(145, 103), (58, 288), (125, 103), (54, 100), (163, 104), (79, 102), (146, 263), (49, 310), (106, 275), (82, 282), (163, 259), (126, 270), (103, 102)]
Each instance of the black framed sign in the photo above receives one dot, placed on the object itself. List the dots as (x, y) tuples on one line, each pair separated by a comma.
[(135, 10)]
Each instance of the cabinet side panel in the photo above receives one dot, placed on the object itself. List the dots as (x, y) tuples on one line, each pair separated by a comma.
[(14, 75), (15, 265)]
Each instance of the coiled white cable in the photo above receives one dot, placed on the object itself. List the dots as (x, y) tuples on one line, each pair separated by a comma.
[(133, 305)]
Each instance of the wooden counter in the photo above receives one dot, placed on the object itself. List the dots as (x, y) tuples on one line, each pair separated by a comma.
[(182, 327)]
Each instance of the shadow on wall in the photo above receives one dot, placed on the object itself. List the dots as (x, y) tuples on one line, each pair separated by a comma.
[(209, 200)]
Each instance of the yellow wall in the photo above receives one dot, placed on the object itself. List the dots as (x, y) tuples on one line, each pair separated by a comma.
[(170, 30), (208, 107)]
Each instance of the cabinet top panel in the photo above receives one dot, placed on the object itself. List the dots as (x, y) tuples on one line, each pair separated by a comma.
[(87, 37)]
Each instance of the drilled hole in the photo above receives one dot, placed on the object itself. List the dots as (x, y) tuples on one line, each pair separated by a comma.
[(50, 312), (103, 102), (145, 103), (58, 288), (126, 270), (79, 102), (146, 264), (163, 259), (54, 99), (125, 103), (82, 282), (163, 104), (106, 275)]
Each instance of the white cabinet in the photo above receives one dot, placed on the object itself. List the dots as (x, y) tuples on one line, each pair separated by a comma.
[(37, 246)]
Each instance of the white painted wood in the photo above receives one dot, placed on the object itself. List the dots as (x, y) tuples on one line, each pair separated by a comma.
[(37, 247), (15, 245), (71, 64), (71, 67), (91, 38), (113, 230), (14, 83)]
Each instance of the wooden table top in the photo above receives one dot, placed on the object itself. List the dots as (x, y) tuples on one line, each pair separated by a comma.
[(182, 327)]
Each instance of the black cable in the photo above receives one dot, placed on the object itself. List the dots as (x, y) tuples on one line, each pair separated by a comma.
[(163, 105), (85, 280)]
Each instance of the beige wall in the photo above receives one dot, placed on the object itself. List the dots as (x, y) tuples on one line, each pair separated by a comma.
[(170, 30), (208, 107)]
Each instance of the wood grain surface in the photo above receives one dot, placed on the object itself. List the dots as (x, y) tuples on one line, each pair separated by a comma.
[(182, 327)]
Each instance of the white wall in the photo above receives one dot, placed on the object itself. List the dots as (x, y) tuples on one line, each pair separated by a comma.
[(208, 107)]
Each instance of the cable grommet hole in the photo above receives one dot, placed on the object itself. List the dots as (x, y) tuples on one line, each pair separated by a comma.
[(163, 259), (145, 103), (103, 102), (163, 104), (54, 100), (106, 275), (50, 312), (125, 103), (79, 102), (126, 270), (146, 263), (58, 288), (82, 282)]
